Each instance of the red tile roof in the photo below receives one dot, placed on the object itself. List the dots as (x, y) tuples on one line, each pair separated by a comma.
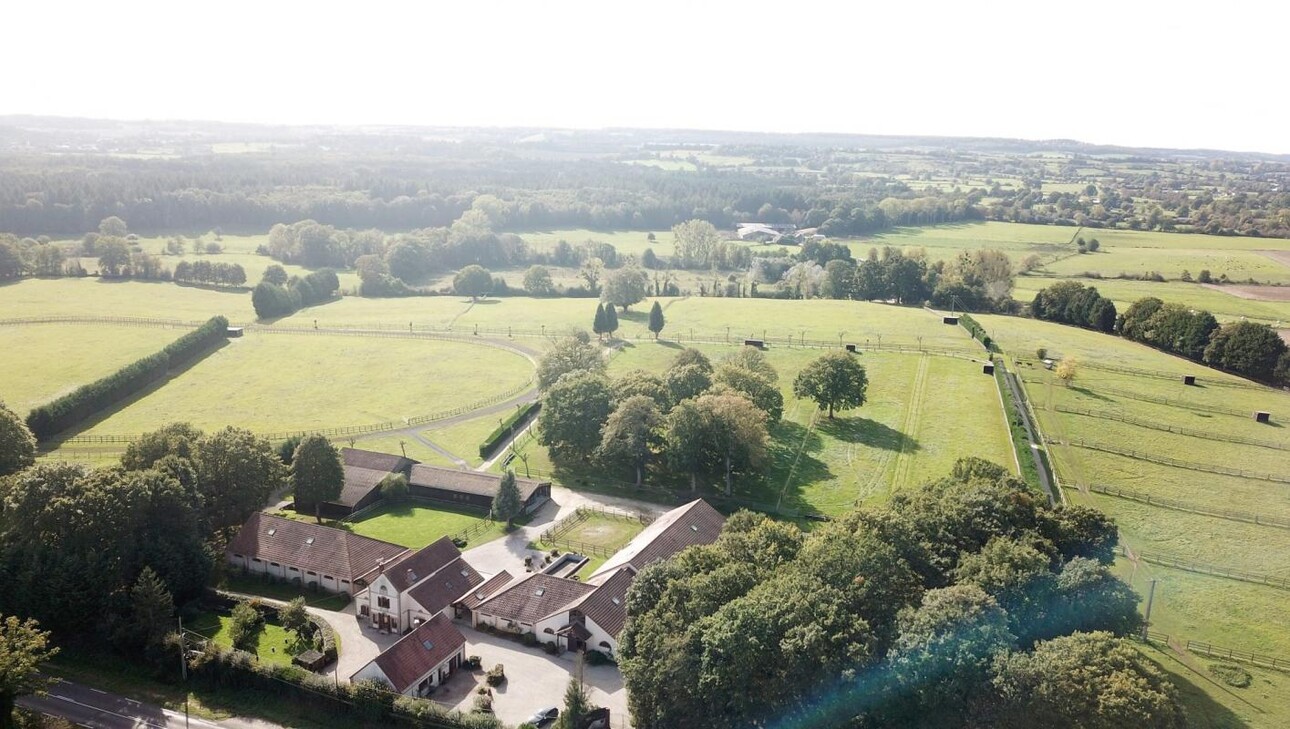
[(607, 606), (416, 654), (534, 597), (684, 526), (436, 592), (422, 563), (311, 547), (475, 596)]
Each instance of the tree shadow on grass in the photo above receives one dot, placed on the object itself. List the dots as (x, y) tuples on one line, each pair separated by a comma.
[(1089, 393), (791, 458), (863, 431), (668, 343)]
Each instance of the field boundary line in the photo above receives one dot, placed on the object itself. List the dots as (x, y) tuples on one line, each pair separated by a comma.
[(1177, 430), (1230, 573), (1167, 461), (1248, 517)]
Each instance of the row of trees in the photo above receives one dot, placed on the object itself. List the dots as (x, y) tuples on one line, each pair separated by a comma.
[(217, 273), (967, 602), (1070, 302), (1247, 348)]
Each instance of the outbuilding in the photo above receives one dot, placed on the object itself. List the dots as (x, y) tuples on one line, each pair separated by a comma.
[(471, 488), (421, 661)]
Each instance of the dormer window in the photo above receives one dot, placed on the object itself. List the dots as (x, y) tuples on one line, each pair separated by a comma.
[(310, 540), (427, 645), (465, 573), (694, 528), (272, 531), (616, 601), (540, 591)]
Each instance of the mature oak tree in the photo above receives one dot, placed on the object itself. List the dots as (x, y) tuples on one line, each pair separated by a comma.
[(17, 444), (23, 648), (834, 381)]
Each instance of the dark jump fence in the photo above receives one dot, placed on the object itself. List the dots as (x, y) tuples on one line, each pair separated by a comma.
[(1167, 461), (1166, 428), (1249, 517)]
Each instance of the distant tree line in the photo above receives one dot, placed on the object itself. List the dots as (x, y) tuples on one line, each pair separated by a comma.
[(965, 602), (215, 273), (1246, 348)]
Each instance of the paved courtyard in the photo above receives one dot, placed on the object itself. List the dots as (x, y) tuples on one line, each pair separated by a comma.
[(534, 680)]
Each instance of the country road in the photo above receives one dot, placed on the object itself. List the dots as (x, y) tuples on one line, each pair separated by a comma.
[(91, 707)]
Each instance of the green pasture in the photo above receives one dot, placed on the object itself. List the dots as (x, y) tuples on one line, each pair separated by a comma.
[(463, 439), (274, 383), (1224, 306), (911, 429), (1112, 260), (1223, 611), (414, 526), (397, 444), (39, 361), (1212, 704), (96, 297)]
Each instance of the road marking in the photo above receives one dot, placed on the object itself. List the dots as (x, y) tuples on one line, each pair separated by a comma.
[(97, 691), (136, 719)]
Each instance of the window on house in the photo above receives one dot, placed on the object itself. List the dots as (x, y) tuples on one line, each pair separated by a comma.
[(275, 564), (312, 574), (383, 602), (255, 559)]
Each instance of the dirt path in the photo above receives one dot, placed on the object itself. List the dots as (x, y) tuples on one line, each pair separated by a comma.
[(1252, 293)]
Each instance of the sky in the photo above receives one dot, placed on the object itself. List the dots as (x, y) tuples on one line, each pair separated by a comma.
[(1133, 72)]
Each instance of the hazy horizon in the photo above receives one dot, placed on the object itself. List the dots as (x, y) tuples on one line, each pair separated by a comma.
[(1109, 74)]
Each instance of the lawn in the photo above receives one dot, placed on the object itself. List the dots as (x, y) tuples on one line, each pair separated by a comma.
[(39, 362), (281, 383), (1212, 704), (415, 526), (463, 439), (273, 643)]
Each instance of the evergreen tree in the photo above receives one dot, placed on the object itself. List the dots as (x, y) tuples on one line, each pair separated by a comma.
[(598, 326), (151, 611), (656, 320), (577, 701), (507, 504), (611, 319)]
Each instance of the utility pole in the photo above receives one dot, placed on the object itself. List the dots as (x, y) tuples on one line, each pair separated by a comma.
[(183, 667), (1146, 623)]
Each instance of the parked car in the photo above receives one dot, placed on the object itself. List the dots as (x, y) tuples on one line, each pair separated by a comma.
[(544, 716)]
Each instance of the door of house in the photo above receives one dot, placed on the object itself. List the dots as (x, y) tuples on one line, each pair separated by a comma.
[(383, 621)]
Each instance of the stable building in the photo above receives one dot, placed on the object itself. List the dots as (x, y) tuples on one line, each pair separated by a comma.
[(472, 489), (412, 590), (364, 473), (685, 526), (420, 661), (310, 554)]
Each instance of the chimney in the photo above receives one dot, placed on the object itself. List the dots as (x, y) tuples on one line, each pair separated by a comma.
[(380, 567)]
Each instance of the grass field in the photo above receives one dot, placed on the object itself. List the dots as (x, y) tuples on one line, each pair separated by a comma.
[(280, 383), (1223, 306), (415, 526), (1187, 605), (94, 297), (1110, 260), (605, 532), (909, 430), (36, 366), (275, 589), (272, 642), (463, 439), (1212, 704)]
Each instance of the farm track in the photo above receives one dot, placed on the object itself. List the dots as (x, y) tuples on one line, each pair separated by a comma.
[(913, 416), (801, 448)]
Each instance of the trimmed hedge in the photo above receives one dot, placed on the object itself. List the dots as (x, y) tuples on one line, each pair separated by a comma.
[(197, 342), (62, 413), (363, 702), (512, 423), (977, 331), (74, 407)]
